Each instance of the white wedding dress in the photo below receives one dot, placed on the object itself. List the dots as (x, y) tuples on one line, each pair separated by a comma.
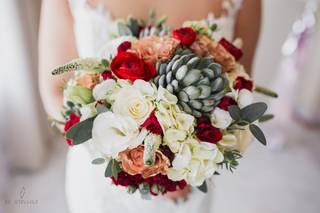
[(87, 190)]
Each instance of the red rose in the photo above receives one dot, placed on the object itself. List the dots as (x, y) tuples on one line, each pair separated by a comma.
[(186, 35), (242, 83), (73, 119), (225, 102), (127, 65), (233, 50), (124, 46), (206, 132), (152, 124), (106, 75)]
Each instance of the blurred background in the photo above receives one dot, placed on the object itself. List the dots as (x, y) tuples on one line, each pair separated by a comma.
[(282, 179)]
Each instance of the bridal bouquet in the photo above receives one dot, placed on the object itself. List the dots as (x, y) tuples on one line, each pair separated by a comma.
[(163, 109)]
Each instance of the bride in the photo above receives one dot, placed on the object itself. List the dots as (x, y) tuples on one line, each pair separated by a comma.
[(77, 28)]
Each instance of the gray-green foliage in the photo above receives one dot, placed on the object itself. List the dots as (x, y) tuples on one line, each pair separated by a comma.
[(197, 82)]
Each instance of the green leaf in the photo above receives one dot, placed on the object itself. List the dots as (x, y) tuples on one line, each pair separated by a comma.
[(203, 187), (266, 117), (98, 161), (115, 168), (123, 29), (234, 112), (81, 132), (253, 112), (108, 172), (105, 63), (258, 134)]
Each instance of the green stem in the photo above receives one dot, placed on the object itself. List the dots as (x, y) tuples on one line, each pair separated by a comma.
[(50, 118), (265, 91)]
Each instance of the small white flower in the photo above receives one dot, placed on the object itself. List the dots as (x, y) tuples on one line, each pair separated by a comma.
[(114, 133), (174, 138), (220, 118), (105, 89), (144, 87), (88, 111), (130, 102), (195, 162), (245, 98), (166, 96)]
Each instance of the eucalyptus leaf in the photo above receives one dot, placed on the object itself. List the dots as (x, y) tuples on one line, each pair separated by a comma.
[(81, 132), (253, 112), (234, 112), (115, 168), (98, 161), (258, 134), (108, 172), (266, 117), (203, 187)]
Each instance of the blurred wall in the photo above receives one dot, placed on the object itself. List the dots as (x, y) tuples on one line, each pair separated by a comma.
[(278, 17), (25, 131)]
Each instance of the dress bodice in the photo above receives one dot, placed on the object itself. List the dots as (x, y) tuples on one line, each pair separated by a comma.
[(93, 27)]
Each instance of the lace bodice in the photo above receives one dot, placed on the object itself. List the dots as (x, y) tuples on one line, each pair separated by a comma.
[(93, 26)]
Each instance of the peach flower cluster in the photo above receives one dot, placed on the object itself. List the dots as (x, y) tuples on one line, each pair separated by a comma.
[(204, 46), (154, 48), (132, 163), (88, 80)]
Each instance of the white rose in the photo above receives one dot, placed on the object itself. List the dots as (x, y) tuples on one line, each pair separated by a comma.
[(130, 102), (105, 90), (245, 98), (220, 118), (113, 133)]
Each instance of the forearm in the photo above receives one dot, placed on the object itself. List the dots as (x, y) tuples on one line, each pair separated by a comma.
[(248, 28), (56, 46)]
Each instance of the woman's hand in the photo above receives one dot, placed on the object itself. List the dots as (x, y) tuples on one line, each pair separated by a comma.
[(184, 193)]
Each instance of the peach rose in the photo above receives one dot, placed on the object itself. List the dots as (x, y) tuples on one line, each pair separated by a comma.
[(132, 163), (204, 46), (88, 80), (155, 48)]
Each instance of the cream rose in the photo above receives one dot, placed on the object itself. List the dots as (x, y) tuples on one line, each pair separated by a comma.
[(130, 102), (220, 118), (113, 133)]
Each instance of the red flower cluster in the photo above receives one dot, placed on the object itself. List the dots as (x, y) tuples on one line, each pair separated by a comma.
[(225, 102), (73, 119), (242, 83), (127, 65), (124, 46), (124, 179), (233, 50), (206, 132), (106, 75), (167, 152), (186, 35), (152, 124)]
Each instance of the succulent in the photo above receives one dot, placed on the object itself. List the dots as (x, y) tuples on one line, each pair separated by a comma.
[(197, 82)]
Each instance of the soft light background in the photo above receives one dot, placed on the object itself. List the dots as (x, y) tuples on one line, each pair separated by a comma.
[(283, 178)]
